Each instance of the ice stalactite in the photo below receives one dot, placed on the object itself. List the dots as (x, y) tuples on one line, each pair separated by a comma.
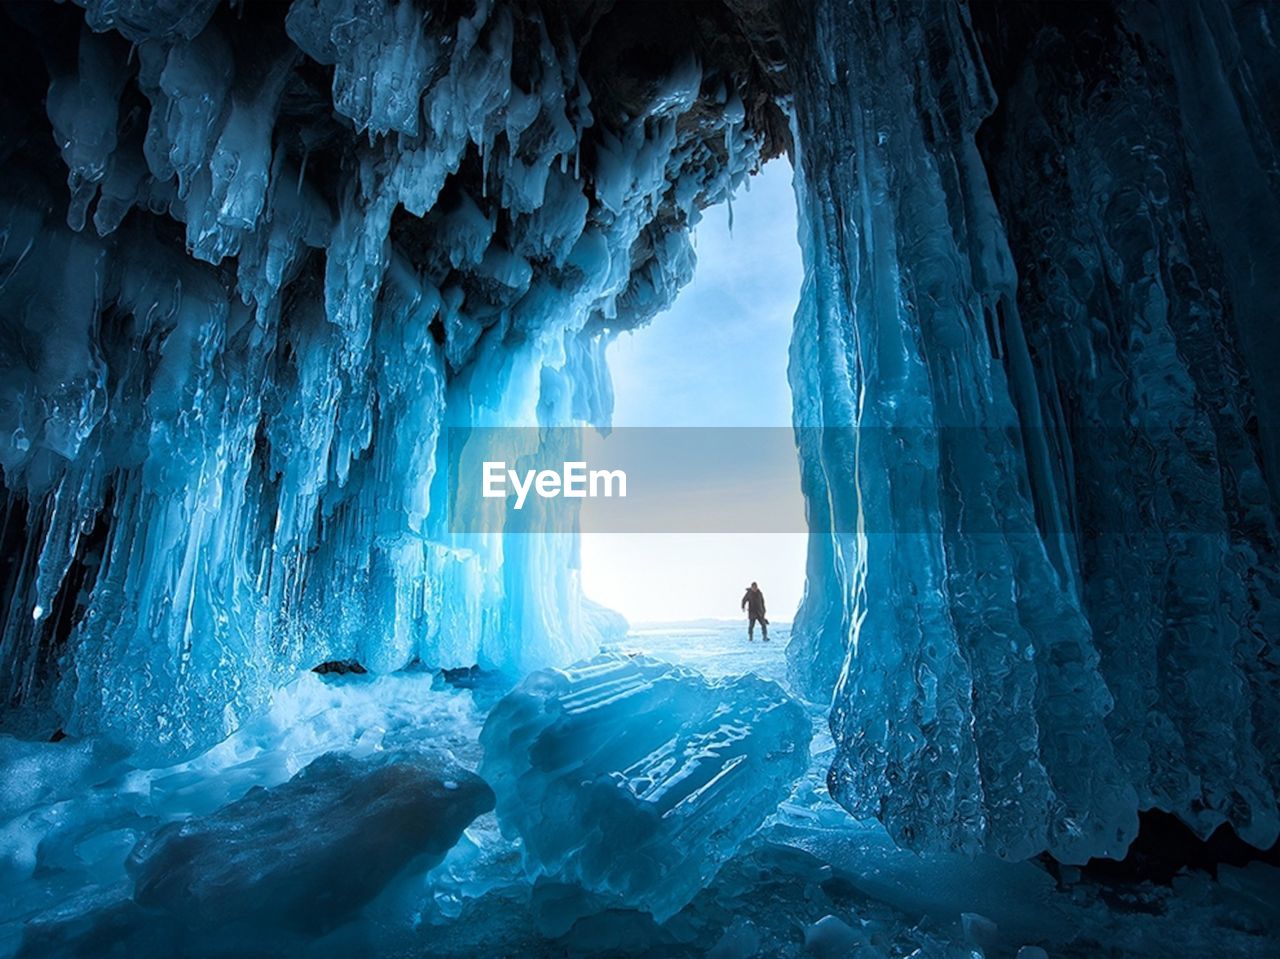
[(257, 264), (1041, 577)]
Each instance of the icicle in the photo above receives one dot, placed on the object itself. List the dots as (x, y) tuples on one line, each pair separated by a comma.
[(734, 116)]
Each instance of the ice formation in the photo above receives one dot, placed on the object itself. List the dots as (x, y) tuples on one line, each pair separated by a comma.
[(631, 781), (276, 251), (259, 262), (257, 861), (1043, 572)]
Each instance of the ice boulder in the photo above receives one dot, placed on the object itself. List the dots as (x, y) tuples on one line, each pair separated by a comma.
[(632, 781), (306, 855)]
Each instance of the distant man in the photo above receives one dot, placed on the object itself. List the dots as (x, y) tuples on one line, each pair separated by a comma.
[(753, 603)]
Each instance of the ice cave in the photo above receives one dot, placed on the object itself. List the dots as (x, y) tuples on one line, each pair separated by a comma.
[(275, 681)]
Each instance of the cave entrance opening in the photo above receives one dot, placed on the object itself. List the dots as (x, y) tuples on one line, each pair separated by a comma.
[(714, 365)]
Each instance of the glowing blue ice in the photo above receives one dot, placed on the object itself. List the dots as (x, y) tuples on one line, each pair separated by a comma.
[(631, 781), (231, 357), (1041, 589)]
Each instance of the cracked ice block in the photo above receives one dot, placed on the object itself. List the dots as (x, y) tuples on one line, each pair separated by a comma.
[(632, 781)]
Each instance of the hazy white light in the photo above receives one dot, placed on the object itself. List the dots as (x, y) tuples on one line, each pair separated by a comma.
[(717, 358), (676, 577)]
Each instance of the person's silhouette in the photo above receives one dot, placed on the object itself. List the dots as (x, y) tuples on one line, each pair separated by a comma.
[(753, 603)]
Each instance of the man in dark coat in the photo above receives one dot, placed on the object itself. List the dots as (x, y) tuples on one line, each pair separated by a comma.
[(753, 603)]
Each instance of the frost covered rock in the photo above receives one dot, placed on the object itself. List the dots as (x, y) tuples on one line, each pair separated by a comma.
[(631, 781), (304, 856)]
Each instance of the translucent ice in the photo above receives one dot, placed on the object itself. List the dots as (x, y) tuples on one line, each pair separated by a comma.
[(631, 781), (75, 810)]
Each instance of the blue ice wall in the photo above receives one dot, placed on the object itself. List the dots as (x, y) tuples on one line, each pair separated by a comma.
[(1139, 301), (255, 260), (1042, 576)]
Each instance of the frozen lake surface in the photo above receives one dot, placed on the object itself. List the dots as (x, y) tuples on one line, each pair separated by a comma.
[(713, 647)]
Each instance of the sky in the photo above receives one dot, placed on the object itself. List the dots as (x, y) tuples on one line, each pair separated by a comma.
[(717, 357)]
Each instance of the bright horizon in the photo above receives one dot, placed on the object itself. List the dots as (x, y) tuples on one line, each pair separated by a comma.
[(717, 357)]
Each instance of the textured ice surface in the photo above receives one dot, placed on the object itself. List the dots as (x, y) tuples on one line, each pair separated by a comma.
[(73, 812), (60, 799), (631, 781), (1042, 582), (308, 854), (1161, 386)]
